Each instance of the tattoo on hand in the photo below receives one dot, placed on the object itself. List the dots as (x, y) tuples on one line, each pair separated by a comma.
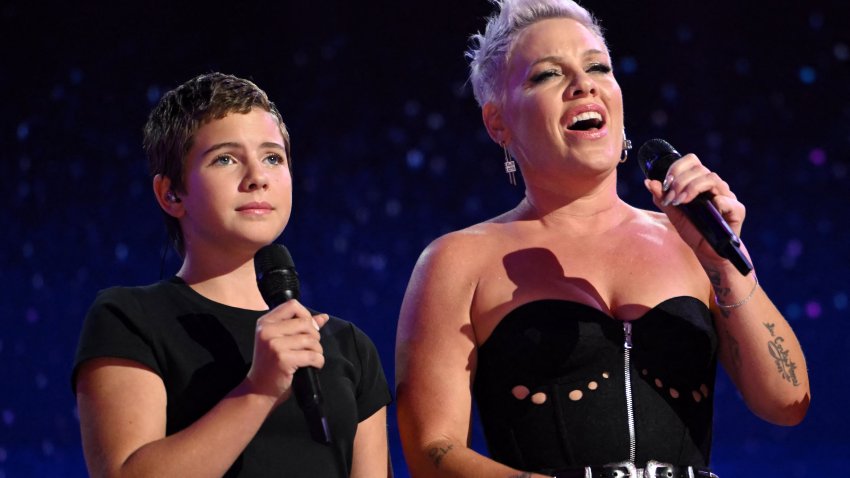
[(438, 453), (784, 366)]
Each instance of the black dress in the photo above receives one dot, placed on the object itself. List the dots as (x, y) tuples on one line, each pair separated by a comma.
[(552, 379)]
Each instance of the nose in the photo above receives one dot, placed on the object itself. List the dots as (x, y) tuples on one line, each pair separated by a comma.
[(582, 85), (256, 176)]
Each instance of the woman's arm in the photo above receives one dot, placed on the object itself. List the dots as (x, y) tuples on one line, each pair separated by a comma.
[(122, 406), (757, 346), (435, 365)]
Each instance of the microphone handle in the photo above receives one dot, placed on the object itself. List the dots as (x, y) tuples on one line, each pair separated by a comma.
[(305, 385), (708, 220), (305, 382)]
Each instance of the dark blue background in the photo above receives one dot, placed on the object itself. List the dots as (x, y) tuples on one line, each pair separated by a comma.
[(389, 154)]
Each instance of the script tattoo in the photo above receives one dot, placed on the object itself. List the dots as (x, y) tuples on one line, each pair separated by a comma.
[(784, 366), (770, 328), (438, 453), (521, 475)]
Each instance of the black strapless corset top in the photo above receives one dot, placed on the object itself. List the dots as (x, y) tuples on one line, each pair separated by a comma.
[(551, 385)]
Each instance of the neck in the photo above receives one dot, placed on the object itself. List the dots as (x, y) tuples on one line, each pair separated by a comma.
[(582, 208), (223, 277)]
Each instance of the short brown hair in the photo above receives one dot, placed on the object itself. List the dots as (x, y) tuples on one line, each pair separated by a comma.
[(172, 124)]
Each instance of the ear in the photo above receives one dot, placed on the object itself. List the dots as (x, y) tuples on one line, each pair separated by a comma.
[(163, 191), (495, 123)]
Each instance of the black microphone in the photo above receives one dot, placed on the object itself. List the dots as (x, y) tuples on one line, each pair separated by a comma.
[(278, 283), (655, 157)]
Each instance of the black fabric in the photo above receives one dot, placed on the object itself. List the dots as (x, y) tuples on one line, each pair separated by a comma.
[(555, 347), (203, 349)]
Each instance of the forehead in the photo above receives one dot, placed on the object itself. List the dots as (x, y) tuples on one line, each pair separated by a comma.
[(554, 37), (257, 123)]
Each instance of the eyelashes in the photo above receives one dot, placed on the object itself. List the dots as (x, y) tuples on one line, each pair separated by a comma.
[(225, 159), (222, 160), (545, 75), (275, 159), (599, 68)]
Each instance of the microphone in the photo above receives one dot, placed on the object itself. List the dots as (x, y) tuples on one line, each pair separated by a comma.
[(278, 283), (655, 157)]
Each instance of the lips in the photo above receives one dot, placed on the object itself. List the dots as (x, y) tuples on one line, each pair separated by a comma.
[(255, 207), (587, 121)]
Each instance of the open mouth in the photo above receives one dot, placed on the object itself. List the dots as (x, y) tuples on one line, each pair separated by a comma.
[(586, 121)]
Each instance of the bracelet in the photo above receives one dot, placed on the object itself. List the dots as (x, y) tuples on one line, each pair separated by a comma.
[(740, 302)]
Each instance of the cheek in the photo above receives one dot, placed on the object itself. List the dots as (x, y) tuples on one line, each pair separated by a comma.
[(530, 113), (615, 97), (283, 180)]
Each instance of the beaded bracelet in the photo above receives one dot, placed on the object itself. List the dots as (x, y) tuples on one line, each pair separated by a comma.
[(740, 302)]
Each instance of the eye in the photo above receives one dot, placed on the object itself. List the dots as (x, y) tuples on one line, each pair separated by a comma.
[(545, 75), (599, 68), (275, 159), (223, 160)]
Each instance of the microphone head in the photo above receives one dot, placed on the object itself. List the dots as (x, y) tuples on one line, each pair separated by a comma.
[(655, 157), (276, 276)]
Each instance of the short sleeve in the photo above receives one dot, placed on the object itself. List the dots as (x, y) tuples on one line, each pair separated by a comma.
[(372, 391), (113, 327)]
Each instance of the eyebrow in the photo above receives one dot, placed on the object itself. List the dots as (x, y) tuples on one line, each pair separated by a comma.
[(556, 59), (231, 144)]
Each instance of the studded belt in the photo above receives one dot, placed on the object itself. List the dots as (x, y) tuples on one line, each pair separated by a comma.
[(653, 469)]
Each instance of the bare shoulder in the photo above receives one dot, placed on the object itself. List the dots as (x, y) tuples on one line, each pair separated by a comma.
[(662, 253), (449, 271), (652, 218), (654, 226), (463, 248)]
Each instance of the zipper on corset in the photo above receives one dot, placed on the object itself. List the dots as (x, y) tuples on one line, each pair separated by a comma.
[(630, 413)]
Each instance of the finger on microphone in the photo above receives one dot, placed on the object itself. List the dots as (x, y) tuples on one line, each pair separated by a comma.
[(319, 320)]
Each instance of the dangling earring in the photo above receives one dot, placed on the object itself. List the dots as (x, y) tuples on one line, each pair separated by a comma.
[(627, 145), (510, 165)]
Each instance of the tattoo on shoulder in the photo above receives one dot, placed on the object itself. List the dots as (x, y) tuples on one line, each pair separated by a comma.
[(438, 453), (786, 368)]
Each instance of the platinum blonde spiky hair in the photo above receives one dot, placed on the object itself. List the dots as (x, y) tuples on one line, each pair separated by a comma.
[(488, 54)]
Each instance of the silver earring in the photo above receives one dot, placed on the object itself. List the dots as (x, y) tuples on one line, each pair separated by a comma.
[(510, 165), (627, 145)]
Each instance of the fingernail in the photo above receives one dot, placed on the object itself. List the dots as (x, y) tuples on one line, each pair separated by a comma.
[(679, 199), (668, 181), (315, 324)]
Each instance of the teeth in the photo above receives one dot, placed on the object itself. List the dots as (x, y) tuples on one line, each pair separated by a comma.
[(587, 115)]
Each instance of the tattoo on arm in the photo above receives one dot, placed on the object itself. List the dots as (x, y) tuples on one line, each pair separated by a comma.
[(786, 368), (734, 351), (770, 328), (521, 475), (438, 453), (720, 292)]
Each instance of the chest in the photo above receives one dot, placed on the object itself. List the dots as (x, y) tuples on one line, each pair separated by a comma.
[(621, 277)]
